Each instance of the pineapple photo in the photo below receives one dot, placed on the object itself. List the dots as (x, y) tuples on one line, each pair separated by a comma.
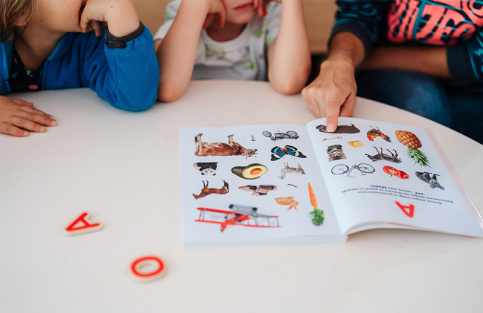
[(413, 143)]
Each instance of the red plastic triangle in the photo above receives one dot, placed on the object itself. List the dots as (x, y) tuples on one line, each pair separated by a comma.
[(81, 225)]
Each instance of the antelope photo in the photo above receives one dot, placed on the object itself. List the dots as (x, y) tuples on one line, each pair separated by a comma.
[(221, 148), (208, 191)]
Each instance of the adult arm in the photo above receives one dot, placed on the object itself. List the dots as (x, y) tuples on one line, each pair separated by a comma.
[(427, 60), (333, 92)]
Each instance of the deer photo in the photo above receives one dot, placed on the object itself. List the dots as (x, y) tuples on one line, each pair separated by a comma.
[(221, 148), (207, 191)]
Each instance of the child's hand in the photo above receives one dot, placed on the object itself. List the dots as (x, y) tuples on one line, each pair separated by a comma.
[(261, 6), (17, 117), (120, 16), (215, 7)]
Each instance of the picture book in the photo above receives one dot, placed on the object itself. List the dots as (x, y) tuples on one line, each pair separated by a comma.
[(263, 184)]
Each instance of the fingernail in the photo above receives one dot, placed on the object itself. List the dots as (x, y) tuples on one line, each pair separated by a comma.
[(53, 123), (42, 128)]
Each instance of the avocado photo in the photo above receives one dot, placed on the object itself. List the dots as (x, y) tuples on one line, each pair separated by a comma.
[(252, 171)]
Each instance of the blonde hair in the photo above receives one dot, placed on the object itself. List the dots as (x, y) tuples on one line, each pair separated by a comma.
[(13, 12)]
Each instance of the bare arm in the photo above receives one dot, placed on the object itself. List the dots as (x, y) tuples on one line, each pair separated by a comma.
[(176, 52), (289, 54), (427, 60), (333, 92)]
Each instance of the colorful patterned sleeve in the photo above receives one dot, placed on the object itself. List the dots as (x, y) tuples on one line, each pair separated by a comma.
[(364, 18), (465, 60)]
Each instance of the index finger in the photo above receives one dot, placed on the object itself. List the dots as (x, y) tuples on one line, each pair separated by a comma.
[(222, 15), (332, 114)]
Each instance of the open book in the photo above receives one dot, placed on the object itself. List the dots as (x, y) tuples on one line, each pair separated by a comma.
[(292, 183)]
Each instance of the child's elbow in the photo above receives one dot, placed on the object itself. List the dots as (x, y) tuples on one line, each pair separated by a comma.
[(288, 87), (289, 84), (170, 90), (168, 94), (139, 106)]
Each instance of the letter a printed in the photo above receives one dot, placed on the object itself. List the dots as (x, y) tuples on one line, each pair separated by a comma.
[(407, 209)]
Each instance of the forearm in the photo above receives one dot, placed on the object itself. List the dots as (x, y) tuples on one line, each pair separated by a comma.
[(289, 54), (347, 47), (333, 92), (427, 60), (177, 51), (129, 78)]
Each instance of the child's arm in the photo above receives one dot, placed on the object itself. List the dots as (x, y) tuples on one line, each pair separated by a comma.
[(124, 69), (17, 117), (176, 52), (289, 54)]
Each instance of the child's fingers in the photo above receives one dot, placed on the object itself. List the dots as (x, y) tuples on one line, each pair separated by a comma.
[(33, 122), (91, 20), (211, 16), (96, 26), (84, 23), (28, 110), (18, 123), (9, 129), (208, 20), (262, 8), (22, 102), (222, 15), (28, 125)]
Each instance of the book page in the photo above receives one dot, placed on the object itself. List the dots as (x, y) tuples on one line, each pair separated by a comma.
[(250, 185), (381, 173)]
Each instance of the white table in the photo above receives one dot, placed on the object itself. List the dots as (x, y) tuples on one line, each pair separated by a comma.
[(123, 168)]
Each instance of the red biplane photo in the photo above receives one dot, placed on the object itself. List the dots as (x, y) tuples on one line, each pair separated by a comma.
[(238, 215)]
